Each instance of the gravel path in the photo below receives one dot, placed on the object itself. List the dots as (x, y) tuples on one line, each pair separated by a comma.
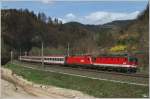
[(9, 90)]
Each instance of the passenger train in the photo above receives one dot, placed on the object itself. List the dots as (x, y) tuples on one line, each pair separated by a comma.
[(129, 63)]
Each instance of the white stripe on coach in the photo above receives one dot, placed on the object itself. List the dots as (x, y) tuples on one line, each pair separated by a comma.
[(114, 65)]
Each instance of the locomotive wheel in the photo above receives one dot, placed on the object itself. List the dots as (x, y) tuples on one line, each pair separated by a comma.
[(133, 70), (118, 70), (128, 70)]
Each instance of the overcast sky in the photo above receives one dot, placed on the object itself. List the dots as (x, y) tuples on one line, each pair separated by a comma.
[(86, 12)]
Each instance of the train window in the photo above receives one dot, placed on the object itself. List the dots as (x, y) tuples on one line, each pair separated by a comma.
[(133, 59), (136, 60)]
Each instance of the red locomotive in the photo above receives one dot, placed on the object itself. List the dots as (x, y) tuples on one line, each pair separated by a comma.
[(122, 62), (79, 60)]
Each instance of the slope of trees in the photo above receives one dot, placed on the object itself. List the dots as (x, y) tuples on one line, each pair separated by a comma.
[(22, 29), (136, 36)]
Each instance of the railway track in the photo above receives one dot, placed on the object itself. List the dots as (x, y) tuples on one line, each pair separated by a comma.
[(137, 79), (139, 75), (124, 74)]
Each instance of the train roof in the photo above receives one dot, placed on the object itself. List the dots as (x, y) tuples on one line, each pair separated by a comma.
[(55, 55), (46, 56), (113, 55)]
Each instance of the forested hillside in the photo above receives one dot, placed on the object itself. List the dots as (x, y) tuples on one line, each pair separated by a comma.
[(136, 36), (23, 30)]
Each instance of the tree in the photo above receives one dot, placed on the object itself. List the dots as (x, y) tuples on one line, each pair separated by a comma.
[(50, 21), (42, 17)]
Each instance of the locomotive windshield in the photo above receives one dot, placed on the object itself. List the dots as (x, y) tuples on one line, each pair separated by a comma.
[(133, 59)]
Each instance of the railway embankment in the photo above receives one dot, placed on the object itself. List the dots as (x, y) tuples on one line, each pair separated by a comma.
[(39, 90), (41, 80)]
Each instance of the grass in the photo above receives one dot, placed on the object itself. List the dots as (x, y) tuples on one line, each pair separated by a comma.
[(92, 87)]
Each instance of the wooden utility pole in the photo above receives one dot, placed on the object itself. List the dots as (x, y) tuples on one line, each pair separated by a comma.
[(25, 53), (11, 55), (20, 54), (68, 50), (42, 55)]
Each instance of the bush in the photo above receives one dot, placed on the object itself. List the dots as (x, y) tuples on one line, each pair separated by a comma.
[(118, 48)]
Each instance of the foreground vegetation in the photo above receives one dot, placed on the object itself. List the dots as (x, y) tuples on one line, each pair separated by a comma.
[(92, 87)]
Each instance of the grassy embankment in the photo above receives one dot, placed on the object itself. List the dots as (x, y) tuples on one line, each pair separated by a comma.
[(92, 87)]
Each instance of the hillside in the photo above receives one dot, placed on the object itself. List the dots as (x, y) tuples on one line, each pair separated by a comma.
[(136, 36), (137, 30), (27, 33)]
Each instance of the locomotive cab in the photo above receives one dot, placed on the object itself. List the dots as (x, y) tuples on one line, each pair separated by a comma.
[(133, 60), (133, 63)]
